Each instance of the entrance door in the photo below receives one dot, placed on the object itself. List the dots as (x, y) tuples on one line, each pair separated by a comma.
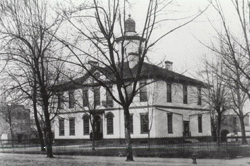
[(98, 127), (224, 135), (19, 138), (186, 129), (98, 123)]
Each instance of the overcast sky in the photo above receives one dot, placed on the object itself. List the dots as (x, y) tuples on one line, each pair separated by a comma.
[(183, 47)]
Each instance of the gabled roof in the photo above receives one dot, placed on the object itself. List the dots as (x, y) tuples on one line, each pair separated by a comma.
[(148, 71)]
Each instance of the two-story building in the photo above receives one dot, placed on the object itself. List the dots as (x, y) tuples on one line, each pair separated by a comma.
[(169, 106), (17, 118), (231, 127)]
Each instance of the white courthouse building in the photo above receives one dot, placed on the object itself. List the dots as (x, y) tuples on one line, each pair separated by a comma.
[(170, 108)]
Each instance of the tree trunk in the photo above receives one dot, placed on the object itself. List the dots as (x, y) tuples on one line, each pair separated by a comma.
[(243, 132), (49, 140), (48, 136), (40, 133), (93, 133), (12, 136), (148, 139), (218, 130), (93, 141), (11, 126), (129, 150)]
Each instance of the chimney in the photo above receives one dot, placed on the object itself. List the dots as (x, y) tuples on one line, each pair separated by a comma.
[(169, 65)]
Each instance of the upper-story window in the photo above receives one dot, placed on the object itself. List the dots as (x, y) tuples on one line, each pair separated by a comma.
[(71, 99), (61, 126), (85, 97), (169, 92), (96, 96), (110, 123), (199, 95), (60, 100), (185, 94), (143, 91), (72, 126), (109, 99)]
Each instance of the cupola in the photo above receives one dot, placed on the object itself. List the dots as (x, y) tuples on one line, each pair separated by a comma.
[(129, 25)]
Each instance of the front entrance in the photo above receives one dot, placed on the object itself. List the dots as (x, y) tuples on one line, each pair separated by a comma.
[(224, 135), (98, 134), (186, 132), (19, 138)]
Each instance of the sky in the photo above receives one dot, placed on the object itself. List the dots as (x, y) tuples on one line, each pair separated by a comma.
[(186, 46)]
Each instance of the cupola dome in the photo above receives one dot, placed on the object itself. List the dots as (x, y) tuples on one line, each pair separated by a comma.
[(129, 25)]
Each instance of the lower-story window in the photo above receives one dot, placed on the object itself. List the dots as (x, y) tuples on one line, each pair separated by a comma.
[(110, 123), (144, 123), (86, 124), (170, 123), (200, 123), (61, 126), (72, 126)]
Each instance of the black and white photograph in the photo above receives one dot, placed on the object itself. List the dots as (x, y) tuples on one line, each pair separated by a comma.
[(124, 82)]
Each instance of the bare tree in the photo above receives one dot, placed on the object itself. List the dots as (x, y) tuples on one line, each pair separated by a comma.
[(217, 96), (95, 133), (27, 43), (6, 113), (233, 79), (235, 54), (97, 26)]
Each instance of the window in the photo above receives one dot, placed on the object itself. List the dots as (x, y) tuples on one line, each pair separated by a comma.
[(144, 123), (169, 92), (61, 126), (110, 124), (199, 95), (60, 100), (234, 122), (86, 124), (72, 126), (19, 115), (200, 123), (71, 99), (129, 89), (143, 91), (85, 97), (185, 94), (109, 99), (96, 96), (131, 124), (170, 122)]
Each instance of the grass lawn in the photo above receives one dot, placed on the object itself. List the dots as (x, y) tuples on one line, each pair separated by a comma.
[(202, 150)]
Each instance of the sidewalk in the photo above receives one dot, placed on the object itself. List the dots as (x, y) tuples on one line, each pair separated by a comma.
[(61, 160)]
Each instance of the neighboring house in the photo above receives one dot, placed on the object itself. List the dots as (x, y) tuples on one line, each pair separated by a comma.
[(230, 126), (19, 117), (168, 107)]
